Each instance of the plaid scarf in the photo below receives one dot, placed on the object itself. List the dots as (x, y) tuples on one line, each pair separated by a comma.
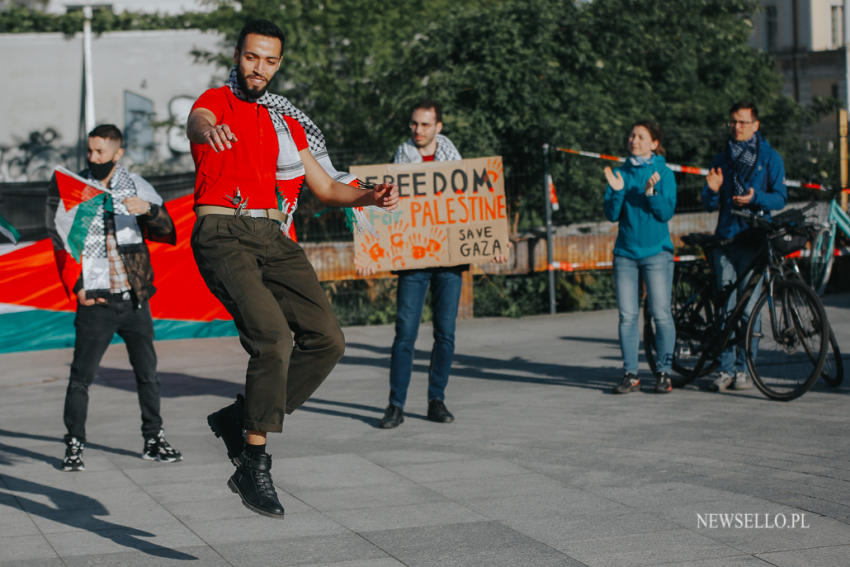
[(409, 153), (111, 217), (743, 157), (277, 106)]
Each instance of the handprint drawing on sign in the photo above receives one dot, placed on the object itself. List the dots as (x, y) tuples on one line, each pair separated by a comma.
[(372, 248), (431, 245), (417, 245), (495, 169), (397, 232), (436, 242)]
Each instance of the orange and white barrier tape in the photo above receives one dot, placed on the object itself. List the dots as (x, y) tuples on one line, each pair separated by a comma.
[(691, 169), (553, 196), (581, 266), (837, 252), (586, 266)]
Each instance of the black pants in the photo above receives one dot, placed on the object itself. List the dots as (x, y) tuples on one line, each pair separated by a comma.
[(266, 283), (95, 326)]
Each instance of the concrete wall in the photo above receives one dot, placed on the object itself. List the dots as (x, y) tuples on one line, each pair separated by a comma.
[(161, 6), (44, 78)]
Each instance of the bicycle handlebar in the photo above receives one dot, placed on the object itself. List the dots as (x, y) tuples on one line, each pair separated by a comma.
[(777, 223)]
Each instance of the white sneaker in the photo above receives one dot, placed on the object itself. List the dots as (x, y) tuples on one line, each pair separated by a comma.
[(742, 381), (721, 382)]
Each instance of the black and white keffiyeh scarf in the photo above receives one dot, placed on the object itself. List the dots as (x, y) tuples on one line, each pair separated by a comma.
[(277, 106), (743, 157), (409, 153), (95, 261), (289, 165)]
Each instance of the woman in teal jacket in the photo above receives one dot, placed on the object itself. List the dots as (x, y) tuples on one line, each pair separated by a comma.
[(641, 198)]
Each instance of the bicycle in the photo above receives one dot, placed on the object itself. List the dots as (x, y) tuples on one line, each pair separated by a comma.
[(785, 336), (833, 367), (822, 253)]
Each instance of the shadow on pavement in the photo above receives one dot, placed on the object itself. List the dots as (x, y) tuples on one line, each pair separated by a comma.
[(516, 369), (172, 384), (61, 443), (599, 340), (80, 511), (311, 408), (373, 421)]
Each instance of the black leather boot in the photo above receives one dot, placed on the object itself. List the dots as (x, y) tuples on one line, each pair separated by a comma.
[(393, 417), (227, 424), (253, 483)]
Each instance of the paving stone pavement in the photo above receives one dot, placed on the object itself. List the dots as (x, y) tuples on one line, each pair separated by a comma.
[(542, 466)]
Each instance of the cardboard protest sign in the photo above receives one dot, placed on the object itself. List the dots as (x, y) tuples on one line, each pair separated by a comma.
[(450, 213)]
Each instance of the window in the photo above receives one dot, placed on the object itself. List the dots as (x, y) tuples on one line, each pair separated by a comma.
[(837, 27), (772, 27)]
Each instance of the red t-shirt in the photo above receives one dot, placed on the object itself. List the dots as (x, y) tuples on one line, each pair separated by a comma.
[(250, 165), (428, 158)]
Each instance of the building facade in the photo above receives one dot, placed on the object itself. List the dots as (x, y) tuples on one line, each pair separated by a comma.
[(144, 82), (808, 39)]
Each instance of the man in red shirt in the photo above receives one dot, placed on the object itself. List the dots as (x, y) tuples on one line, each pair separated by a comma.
[(253, 150)]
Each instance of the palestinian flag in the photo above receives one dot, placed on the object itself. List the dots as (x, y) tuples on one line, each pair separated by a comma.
[(37, 310), (7, 230), (79, 202)]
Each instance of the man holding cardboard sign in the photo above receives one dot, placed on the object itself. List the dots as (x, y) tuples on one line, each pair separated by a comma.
[(450, 215)]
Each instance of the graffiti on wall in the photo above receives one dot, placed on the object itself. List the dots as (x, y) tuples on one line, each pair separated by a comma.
[(178, 114), (151, 147), (35, 158)]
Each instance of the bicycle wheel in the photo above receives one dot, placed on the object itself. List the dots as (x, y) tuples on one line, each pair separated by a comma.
[(692, 315), (833, 367), (821, 258), (786, 341)]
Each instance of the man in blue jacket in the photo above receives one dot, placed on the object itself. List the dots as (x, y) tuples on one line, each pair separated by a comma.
[(747, 175)]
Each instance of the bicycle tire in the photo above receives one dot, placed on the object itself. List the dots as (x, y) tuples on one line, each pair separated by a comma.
[(833, 367), (821, 258), (692, 316), (786, 326)]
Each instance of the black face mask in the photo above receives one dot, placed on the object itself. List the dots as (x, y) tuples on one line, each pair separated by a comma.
[(100, 170)]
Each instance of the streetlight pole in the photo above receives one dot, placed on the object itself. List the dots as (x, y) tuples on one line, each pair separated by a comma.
[(87, 69), (550, 260)]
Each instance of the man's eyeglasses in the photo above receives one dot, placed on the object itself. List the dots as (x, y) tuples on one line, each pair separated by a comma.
[(733, 123)]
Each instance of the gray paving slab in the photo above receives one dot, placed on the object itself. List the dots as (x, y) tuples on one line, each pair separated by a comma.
[(144, 558), (26, 547), (818, 557), (344, 548), (34, 563), (541, 467), (481, 543), (648, 549)]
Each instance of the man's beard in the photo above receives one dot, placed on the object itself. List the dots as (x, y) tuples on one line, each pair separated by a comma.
[(250, 92)]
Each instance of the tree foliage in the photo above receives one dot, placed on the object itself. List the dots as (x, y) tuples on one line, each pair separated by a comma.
[(513, 75)]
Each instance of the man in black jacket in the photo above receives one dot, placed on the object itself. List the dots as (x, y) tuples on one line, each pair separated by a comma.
[(112, 291)]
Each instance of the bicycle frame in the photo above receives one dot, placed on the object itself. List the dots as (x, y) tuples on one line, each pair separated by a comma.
[(729, 330), (837, 218)]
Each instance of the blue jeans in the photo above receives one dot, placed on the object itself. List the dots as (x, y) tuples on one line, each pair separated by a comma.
[(445, 296), (729, 265), (657, 274)]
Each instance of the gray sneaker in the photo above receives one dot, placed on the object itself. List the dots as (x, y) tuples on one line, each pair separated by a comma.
[(721, 382), (742, 381)]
